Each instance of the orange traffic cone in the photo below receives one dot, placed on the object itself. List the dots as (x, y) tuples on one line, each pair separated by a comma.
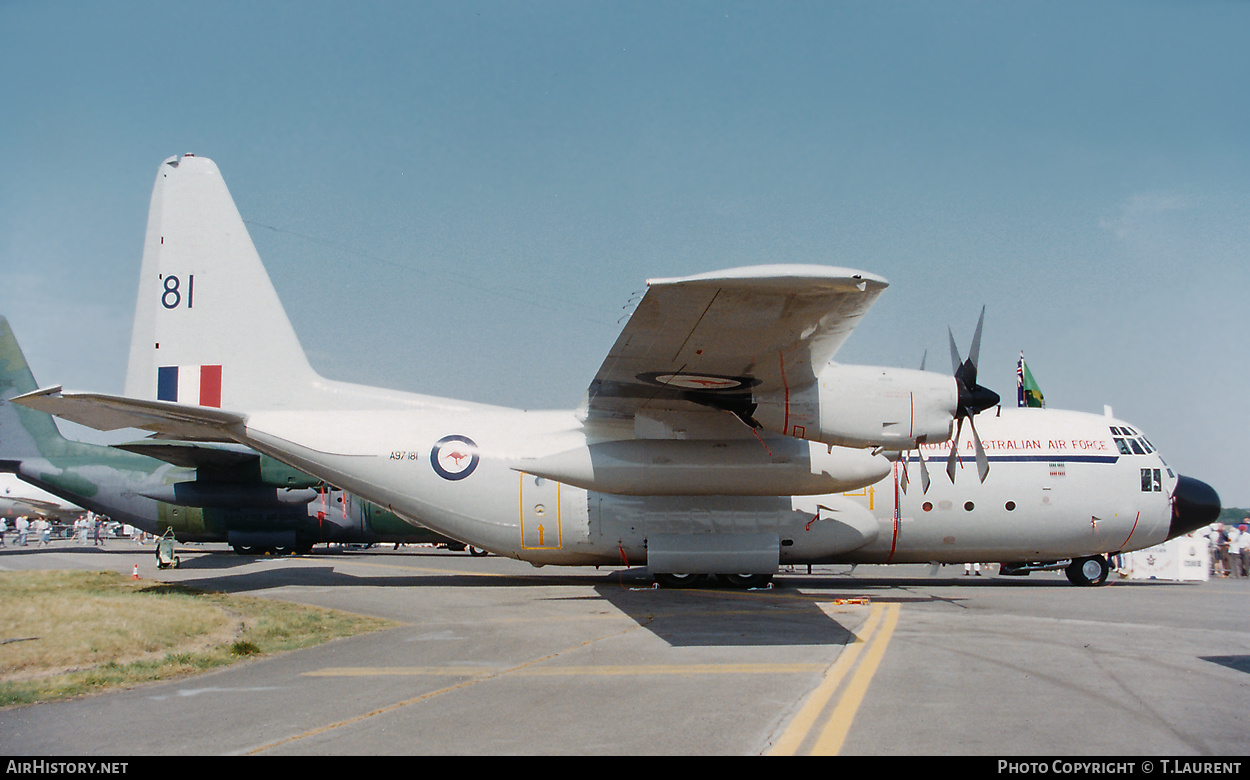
[(135, 575)]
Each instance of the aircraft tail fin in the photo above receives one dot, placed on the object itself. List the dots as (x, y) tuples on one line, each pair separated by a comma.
[(24, 433), (209, 327)]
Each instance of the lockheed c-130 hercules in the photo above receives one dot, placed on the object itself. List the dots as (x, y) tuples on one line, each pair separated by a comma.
[(718, 436)]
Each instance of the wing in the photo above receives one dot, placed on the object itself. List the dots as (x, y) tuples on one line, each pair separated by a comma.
[(716, 340), (110, 412), (194, 455)]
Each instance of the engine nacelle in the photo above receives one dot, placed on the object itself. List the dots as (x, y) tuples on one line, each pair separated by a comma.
[(865, 406)]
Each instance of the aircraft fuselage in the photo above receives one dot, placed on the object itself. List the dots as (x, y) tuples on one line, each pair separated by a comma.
[(1060, 488)]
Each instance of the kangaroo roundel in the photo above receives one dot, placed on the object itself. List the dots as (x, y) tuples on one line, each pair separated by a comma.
[(454, 457)]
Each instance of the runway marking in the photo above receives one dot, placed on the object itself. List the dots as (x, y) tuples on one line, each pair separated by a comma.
[(871, 643), (563, 671), (489, 675)]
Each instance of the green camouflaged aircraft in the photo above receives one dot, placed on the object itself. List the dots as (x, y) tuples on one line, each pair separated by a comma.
[(203, 492)]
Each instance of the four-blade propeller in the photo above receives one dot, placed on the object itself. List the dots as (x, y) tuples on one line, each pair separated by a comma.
[(973, 398)]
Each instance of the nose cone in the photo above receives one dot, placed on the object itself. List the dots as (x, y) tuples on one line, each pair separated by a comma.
[(1194, 504)]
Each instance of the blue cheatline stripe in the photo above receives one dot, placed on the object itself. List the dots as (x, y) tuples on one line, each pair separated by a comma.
[(167, 383), (1054, 458)]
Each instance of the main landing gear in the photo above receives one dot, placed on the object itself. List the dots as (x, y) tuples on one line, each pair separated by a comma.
[(743, 581)]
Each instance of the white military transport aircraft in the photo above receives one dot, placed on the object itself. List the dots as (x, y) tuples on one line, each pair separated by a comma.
[(718, 436)]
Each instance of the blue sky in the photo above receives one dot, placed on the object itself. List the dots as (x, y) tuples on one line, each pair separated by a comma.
[(460, 198)]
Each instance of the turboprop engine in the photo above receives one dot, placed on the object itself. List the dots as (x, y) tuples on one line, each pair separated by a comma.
[(865, 406)]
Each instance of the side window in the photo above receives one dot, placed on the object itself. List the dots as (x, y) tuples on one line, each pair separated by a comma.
[(1151, 481)]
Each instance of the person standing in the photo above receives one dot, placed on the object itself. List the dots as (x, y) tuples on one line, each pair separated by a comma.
[(1232, 562), (1245, 547)]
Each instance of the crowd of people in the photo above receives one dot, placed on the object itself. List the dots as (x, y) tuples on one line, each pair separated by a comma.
[(88, 528), (1230, 549)]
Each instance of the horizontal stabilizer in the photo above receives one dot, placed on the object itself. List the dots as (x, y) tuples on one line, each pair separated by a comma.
[(111, 412)]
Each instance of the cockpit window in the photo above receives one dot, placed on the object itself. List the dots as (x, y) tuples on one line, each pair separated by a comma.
[(1129, 442)]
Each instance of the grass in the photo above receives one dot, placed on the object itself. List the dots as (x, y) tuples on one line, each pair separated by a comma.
[(69, 633)]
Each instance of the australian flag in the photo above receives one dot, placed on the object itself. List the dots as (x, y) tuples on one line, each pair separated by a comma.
[(1027, 391)]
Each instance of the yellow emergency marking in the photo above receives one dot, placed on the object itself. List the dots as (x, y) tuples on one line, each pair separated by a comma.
[(820, 728)]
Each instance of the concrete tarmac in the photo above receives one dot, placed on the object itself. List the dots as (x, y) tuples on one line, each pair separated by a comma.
[(492, 656)]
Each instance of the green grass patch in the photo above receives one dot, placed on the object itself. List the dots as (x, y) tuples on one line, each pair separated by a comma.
[(67, 633)]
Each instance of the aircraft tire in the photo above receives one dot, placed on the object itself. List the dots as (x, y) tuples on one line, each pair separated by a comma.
[(746, 580), (477, 552), (679, 580), (1091, 571)]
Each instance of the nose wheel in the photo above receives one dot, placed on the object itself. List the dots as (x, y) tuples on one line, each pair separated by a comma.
[(1088, 571)]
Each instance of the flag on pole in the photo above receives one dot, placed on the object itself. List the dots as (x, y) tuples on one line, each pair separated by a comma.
[(1027, 391)]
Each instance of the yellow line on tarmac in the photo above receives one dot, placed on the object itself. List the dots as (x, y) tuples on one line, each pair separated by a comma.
[(479, 676), (564, 671), (834, 733), (873, 638)]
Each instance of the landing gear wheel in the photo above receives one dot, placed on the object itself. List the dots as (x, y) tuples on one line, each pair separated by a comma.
[(746, 580), (679, 580), (477, 552), (1088, 571)]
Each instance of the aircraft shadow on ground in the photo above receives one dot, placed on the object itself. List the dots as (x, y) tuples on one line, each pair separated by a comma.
[(1239, 663), (720, 617)]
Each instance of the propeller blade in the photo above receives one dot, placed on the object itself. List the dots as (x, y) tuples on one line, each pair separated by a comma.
[(976, 340), (903, 481), (924, 472), (950, 461), (983, 463), (956, 361)]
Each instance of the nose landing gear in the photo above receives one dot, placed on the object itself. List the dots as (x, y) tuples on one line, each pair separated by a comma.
[(1088, 571)]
